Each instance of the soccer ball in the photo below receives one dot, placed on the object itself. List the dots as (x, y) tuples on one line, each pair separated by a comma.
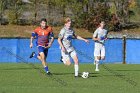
[(85, 74)]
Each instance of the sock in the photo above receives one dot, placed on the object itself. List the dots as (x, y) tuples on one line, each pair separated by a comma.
[(76, 67), (46, 69), (97, 64)]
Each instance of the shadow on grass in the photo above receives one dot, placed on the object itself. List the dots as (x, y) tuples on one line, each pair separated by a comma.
[(71, 73), (63, 73), (126, 70), (18, 68), (101, 75)]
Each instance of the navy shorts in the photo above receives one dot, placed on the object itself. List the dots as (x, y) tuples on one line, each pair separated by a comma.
[(43, 49)]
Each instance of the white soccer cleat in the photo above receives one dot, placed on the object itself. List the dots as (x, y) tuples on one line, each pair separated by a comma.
[(96, 69)]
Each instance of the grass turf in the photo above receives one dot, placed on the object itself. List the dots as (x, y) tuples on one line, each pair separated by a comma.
[(29, 78)]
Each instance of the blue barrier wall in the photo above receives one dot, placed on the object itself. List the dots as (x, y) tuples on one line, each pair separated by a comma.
[(133, 51), (10, 44), (20, 47), (114, 51)]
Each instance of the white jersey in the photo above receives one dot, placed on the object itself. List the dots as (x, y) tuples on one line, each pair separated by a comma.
[(100, 33), (99, 49), (66, 35)]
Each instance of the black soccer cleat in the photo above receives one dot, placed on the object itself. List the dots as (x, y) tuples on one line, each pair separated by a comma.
[(32, 55), (61, 59), (49, 73), (77, 76)]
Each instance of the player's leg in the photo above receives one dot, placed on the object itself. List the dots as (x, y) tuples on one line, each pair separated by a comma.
[(65, 58), (42, 57), (43, 54), (76, 63), (35, 55), (96, 51), (39, 57), (97, 60), (103, 53), (97, 56)]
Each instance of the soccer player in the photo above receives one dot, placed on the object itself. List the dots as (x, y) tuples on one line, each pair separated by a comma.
[(45, 38), (65, 41), (99, 36)]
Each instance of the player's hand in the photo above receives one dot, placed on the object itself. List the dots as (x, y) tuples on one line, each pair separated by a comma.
[(49, 45), (106, 38), (96, 39), (103, 38), (31, 45), (87, 41), (63, 49)]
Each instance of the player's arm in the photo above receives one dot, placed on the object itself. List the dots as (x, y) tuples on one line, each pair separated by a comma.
[(51, 39), (106, 34), (31, 42), (95, 39), (61, 45), (60, 37), (95, 36), (32, 38), (80, 38)]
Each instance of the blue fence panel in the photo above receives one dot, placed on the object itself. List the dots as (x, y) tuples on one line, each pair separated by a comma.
[(133, 51), (54, 53), (84, 50), (6, 47), (113, 47), (114, 51), (21, 48), (24, 51)]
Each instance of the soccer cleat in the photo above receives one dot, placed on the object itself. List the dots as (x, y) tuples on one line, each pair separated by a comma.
[(61, 59), (32, 55), (96, 69), (76, 76), (49, 73)]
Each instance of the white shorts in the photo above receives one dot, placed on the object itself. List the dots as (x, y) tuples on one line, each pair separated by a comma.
[(66, 56), (99, 50)]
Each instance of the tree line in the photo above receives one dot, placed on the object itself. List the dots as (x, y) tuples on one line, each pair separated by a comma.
[(85, 13)]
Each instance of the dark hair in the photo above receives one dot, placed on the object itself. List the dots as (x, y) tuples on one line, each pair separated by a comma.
[(98, 24), (43, 19), (101, 21)]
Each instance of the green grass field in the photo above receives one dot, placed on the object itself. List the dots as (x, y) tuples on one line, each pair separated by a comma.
[(29, 78)]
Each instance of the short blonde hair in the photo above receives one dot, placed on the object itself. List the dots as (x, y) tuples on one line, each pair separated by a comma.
[(66, 20)]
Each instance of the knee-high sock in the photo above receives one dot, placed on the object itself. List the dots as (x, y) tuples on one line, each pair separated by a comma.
[(76, 68), (97, 64)]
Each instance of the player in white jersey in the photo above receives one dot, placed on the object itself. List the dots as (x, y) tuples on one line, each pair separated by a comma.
[(65, 41), (99, 36)]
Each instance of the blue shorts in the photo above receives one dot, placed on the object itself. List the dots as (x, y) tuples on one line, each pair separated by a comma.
[(44, 50)]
